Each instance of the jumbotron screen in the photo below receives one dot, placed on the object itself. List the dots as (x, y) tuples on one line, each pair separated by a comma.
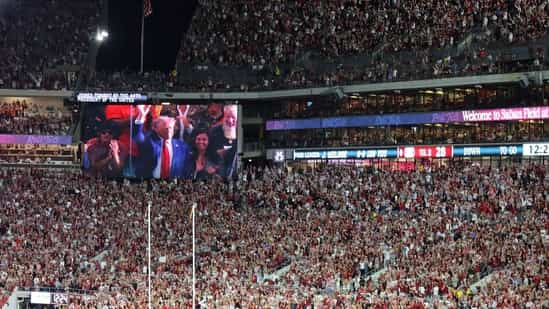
[(163, 141)]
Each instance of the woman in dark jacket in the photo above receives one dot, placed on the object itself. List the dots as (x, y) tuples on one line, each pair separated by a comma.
[(206, 161)]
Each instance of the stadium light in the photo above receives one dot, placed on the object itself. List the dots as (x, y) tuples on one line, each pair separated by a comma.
[(101, 35)]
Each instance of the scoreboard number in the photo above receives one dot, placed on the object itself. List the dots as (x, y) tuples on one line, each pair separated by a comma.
[(536, 150)]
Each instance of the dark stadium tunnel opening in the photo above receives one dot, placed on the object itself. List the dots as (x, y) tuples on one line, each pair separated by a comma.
[(164, 30)]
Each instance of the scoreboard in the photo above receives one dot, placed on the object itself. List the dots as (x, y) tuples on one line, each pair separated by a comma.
[(496, 150), (421, 152), (536, 150), (426, 151), (366, 153)]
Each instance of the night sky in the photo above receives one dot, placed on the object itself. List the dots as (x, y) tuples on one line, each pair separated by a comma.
[(164, 30)]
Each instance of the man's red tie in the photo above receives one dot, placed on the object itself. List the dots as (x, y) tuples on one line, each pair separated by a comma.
[(165, 166)]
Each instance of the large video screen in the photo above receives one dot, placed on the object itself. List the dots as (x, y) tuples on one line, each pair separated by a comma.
[(163, 141)]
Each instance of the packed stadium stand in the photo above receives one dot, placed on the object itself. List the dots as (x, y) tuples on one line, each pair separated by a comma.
[(388, 105), (344, 237), (404, 66), (339, 154), (44, 42), (302, 44), (332, 44), (359, 42), (21, 117), (282, 31)]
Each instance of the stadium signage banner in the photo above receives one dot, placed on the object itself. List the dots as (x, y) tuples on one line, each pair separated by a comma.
[(486, 115), (425, 151), (506, 114), (42, 298), (36, 139), (47, 298), (94, 97)]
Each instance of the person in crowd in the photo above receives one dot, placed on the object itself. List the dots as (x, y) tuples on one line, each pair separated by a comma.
[(223, 139), (206, 160), (212, 116), (189, 118), (160, 155), (105, 153), (121, 115)]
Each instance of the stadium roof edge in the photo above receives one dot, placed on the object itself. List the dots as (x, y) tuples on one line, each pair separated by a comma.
[(307, 92)]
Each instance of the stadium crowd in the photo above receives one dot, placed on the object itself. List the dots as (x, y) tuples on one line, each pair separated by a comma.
[(20, 117), (422, 66), (411, 135), (461, 236), (284, 44), (44, 43), (427, 100), (283, 31)]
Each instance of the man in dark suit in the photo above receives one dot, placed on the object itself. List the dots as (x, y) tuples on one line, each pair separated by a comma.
[(160, 155)]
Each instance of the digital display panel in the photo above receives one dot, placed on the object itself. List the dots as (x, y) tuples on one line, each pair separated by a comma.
[(279, 156), (345, 154), (485, 115), (488, 150), (42, 298), (165, 141), (60, 299), (93, 97), (425, 151), (35, 139), (536, 150)]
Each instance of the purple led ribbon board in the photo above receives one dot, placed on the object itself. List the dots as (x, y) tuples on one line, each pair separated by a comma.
[(35, 139), (482, 115)]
